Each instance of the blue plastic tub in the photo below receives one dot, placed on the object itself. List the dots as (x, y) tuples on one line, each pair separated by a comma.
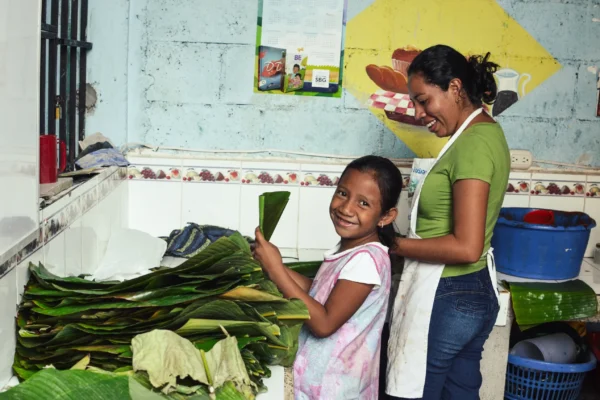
[(537, 380), (549, 252)]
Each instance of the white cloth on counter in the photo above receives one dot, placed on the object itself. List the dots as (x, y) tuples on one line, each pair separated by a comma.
[(130, 253)]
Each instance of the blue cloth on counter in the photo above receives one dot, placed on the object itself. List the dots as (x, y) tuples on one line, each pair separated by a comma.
[(102, 158), (194, 238)]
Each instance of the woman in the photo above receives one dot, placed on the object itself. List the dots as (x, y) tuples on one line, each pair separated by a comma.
[(447, 303)]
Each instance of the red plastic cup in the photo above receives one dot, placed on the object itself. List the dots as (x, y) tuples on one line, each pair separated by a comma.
[(48, 160)]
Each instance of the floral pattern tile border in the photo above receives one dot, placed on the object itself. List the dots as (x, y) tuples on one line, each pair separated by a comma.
[(558, 188), (592, 190), (518, 187), (236, 175), (212, 175), (105, 183), (269, 177)]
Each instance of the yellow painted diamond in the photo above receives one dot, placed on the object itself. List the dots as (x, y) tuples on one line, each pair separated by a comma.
[(470, 26)]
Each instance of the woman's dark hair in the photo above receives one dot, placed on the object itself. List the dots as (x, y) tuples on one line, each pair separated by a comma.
[(438, 65), (389, 180)]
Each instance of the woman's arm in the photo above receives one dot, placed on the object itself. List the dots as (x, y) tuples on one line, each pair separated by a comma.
[(344, 300), (465, 244)]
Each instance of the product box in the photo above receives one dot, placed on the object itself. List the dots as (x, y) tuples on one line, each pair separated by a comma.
[(271, 68), (295, 70)]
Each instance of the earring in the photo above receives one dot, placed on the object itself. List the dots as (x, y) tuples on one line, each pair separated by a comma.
[(381, 225)]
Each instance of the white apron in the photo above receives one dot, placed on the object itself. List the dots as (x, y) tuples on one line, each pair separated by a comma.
[(407, 348)]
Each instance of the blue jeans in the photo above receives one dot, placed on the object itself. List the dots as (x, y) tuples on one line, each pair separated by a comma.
[(464, 313)]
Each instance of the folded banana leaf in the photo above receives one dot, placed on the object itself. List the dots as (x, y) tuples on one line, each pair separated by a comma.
[(270, 209), (52, 384), (540, 302)]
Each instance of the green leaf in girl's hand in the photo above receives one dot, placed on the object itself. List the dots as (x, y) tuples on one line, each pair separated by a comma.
[(270, 209)]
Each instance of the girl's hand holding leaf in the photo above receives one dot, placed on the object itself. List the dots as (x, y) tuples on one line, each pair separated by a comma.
[(267, 254)]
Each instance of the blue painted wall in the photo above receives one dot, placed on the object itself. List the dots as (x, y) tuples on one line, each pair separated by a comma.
[(179, 73)]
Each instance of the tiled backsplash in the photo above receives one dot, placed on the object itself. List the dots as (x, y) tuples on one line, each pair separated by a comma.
[(166, 193)]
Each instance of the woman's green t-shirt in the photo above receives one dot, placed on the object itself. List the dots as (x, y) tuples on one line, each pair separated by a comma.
[(481, 153)]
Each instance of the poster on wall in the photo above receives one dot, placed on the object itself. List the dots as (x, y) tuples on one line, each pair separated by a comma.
[(299, 47), (378, 79)]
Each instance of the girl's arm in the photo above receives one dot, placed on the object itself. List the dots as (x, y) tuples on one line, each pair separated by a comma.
[(344, 300), (302, 281), (465, 244)]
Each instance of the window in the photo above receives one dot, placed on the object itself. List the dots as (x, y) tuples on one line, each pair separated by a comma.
[(63, 72)]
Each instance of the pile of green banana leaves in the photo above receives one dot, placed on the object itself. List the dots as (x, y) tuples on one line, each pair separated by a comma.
[(62, 320)]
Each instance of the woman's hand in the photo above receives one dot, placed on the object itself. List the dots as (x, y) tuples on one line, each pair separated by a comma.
[(267, 254)]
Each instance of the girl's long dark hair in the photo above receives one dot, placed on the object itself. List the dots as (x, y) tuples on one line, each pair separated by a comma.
[(389, 180)]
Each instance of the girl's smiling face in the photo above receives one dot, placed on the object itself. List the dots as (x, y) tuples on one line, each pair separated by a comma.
[(440, 111), (355, 208)]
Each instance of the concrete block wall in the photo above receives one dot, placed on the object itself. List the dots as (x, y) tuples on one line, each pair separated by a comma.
[(181, 75)]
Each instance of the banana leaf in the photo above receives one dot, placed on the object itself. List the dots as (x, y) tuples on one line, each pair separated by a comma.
[(196, 326), (291, 313), (270, 209), (251, 295), (306, 268), (52, 384), (540, 302), (64, 320), (221, 248)]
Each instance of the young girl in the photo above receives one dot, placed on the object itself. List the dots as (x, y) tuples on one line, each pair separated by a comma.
[(338, 353)]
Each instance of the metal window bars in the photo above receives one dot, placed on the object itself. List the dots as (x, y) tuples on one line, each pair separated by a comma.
[(63, 61)]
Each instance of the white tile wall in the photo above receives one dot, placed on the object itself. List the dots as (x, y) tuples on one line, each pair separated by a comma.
[(74, 249), (561, 203), (19, 113), (155, 207), (286, 233), (315, 229), (23, 271), (55, 259), (516, 201), (212, 204), (8, 294)]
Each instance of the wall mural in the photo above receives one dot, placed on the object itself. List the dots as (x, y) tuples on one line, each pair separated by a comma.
[(384, 38)]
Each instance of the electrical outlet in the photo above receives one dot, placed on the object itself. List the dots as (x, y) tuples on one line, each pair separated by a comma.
[(521, 159)]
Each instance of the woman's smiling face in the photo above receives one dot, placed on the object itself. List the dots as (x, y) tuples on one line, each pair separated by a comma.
[(438, 110)]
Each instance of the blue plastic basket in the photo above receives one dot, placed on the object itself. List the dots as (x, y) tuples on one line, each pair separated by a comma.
[(552, 252), (536, 380)]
